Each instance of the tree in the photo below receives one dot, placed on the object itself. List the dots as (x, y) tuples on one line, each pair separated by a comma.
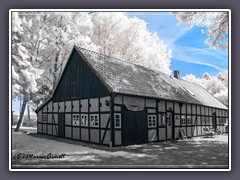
[(127, 38), (24, 74), (41, 43), (215, 26), (216, 85)]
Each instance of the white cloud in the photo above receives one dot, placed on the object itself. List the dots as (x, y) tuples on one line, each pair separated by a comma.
[(201, 56)]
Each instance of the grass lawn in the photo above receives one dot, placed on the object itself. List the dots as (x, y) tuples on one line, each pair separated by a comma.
[(196, 152)]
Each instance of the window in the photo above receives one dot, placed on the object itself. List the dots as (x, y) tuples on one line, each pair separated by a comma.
[(44, 118), (75, 119), (94, 120), (183, 120), (84, 120), (151, 120), (117, 120), (189, 120)]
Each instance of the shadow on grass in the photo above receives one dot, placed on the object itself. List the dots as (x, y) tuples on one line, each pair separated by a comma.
[(167, 154)]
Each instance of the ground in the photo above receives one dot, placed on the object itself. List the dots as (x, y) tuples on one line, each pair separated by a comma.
[(196, 152)]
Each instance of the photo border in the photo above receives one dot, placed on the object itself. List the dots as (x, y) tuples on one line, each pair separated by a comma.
[(122, 169)]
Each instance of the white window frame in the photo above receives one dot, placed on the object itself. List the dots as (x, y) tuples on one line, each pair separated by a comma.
[(84, 121), (44, 117), (151, 121), (183, 120), (116, 119), (93, 124), (78, 119)]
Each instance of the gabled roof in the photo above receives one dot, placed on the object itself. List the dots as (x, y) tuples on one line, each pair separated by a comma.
[(131, 79), (127, 78)]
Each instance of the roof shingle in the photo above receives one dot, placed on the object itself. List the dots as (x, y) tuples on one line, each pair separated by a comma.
[(127, 78)]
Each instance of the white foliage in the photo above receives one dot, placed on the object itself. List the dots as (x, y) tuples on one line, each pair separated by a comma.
[(216, 85), (215, 26), (128, 38), (42, 43)]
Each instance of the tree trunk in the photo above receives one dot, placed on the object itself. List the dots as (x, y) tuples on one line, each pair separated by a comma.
[(28, 112), (21, 114)]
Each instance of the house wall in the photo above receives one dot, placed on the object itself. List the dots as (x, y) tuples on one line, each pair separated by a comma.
[(99, 134), (78, 74), (191, 118)]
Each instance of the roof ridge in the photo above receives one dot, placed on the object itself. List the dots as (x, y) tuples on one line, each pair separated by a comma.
[(122, 60)]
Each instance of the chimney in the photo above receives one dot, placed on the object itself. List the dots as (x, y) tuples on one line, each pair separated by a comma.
[(176, 74)]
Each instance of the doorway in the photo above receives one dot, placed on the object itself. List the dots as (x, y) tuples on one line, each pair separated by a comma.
[(134, 127), (61, 125), (169, 121)]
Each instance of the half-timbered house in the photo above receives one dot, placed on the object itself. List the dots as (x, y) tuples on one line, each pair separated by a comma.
[(104, 100)]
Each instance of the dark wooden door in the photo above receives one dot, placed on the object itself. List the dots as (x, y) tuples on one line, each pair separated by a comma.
[(169, 125), (61, 125), (214, 121), (135, 127)]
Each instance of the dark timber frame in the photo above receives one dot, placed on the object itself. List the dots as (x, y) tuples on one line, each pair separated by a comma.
[(91, 98)]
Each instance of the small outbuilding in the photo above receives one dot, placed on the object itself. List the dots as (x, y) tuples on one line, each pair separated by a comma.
[(104, 100)]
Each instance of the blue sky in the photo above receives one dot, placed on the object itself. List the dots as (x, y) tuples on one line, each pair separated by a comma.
[(190, 55)]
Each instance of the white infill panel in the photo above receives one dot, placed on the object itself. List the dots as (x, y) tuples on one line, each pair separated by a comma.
[(76, 133), (105, 104), (150, 103), (94, 135), (61, 107), (151, 110), (161, 106), (84, 134), (55, 118), (162, 134), (68, 105), (117, 108), (68, 119), (50, 118), (177, 133), (84, 104), (169, 105), (118, 139), (39, 128), (55, 130), (68, 132), (50, 106), (104, 120), (94, 105), (44, 128), (75, 106), (106, 139), (45, 108), (127, 100), (176, 107), (118, 99), (39, 116), (55, 107), (49, 129), (152, 135)]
